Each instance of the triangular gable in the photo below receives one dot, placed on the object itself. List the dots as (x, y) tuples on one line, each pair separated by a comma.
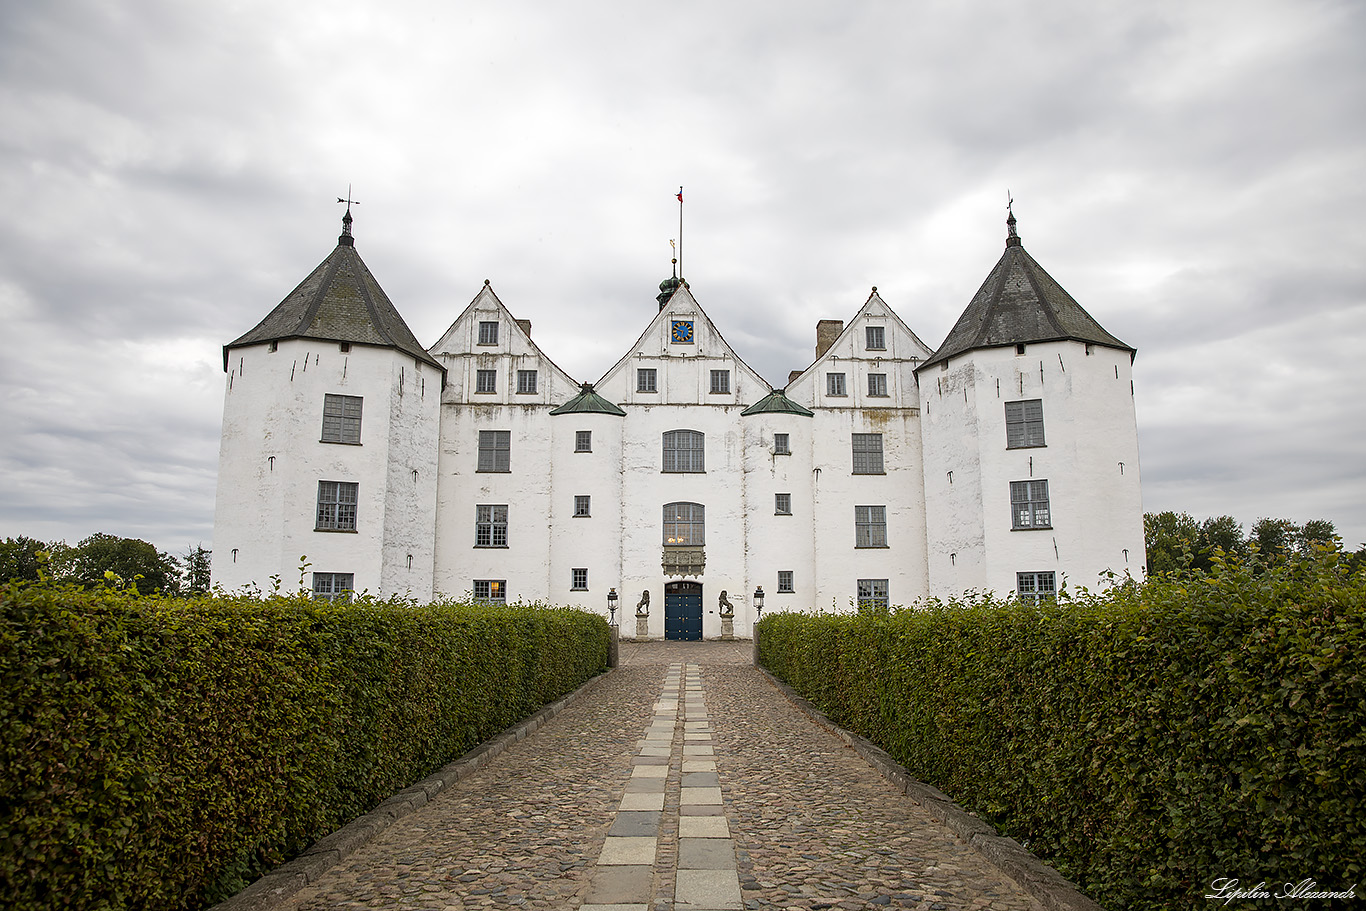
[(655, 345), (901, 344)]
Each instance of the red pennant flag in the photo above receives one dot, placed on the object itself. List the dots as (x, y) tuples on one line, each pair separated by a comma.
[(680, 194)]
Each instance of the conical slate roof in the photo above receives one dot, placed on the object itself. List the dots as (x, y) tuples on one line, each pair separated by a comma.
[(1020, 303), (588, 402), (339, 302), (776, 402)]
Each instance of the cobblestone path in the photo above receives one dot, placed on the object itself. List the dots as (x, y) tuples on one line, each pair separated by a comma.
[(682, 780)]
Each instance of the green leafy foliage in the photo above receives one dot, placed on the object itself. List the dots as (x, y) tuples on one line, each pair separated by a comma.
[(161, 753), (1144, 741)]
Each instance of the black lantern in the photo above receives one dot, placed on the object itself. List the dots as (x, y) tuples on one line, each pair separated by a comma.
[(759, 602), (612, 606)]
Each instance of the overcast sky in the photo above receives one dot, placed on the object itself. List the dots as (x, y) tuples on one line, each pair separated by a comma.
[(1192, 172)]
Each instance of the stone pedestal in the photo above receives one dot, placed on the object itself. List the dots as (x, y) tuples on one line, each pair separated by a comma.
[(727, 628), (642, 627)]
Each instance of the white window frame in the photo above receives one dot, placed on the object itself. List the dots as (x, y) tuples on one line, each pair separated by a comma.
[(1029, 505), (495, 451), (782, 444), (1024, 424), (834, 385), (341, 419), (877, 385), (647, 379), (337, 504), (782, 504), (684, 452), (333, 586), (685, 524), (488, 332), (526, 382), (720, 382), (870, 526), (785, 582), (491, 525), (867, 453), (578, 579), (874, 594), (1036, 586)]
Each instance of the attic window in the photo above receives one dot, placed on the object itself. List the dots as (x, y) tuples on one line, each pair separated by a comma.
[(273, 347), (876, 338), (1019, 349), (488, 333), (345, 347)]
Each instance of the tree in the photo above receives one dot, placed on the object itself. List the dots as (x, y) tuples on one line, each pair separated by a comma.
[(197, 570), (1275, 539), (1168, 535), (20, 559), (133, 561), (1320, 533), (1225, 533)]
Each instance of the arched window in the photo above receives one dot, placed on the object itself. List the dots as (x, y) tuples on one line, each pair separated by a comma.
[(684, 523), (683, 451)]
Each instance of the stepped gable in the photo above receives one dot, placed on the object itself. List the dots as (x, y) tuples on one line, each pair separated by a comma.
[(340, 301), (1020, 303)]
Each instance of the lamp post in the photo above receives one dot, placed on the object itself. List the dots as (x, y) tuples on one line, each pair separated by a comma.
[(612, 606), (759, 602)]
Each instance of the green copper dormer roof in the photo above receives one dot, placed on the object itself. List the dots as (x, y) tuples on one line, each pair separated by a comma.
[(776, 402), (339, 302), (1020, 303), (588, 402)]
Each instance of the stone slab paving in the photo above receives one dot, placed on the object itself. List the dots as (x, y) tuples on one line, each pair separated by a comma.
[(685, 780)]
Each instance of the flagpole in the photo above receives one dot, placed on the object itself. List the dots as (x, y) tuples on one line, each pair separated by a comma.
[(680, 234)]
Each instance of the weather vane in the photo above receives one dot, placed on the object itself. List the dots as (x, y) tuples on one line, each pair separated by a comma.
[(348, 200)]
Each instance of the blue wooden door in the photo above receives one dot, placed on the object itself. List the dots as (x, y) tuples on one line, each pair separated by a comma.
[(683, 610)]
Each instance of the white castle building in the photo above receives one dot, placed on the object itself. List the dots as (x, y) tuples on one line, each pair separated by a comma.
[(1006, 460)]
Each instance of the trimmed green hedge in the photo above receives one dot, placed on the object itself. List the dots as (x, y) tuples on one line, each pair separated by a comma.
[(1145, 741), (160, 754)]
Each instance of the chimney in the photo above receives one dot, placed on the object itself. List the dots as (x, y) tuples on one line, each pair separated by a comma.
[(827, 330), (792, 375), (525, 325)]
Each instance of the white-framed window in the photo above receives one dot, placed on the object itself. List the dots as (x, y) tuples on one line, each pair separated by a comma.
[(488, 333), (491, 590), (1024, 424), (1029, 505), (870, 526), (583, 441), (486, 381), (491, 525), (495, 450), (872, 594), (782, 504), (526, 382), (578, 579), (1035, 586), (785, 581), (684, 451), (834, 384), (685, 523), (333, 586), (875, 338), (781, 444), (868, 453), (582, 504), (341, 419), (647, 379), (877, 385), (720, 382), (337, 505)]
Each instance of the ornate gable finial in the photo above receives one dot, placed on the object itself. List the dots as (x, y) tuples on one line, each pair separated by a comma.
[(346, 240), (1012, 239)]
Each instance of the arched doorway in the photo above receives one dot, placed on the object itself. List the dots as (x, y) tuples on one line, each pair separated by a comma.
[(683, 610)]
